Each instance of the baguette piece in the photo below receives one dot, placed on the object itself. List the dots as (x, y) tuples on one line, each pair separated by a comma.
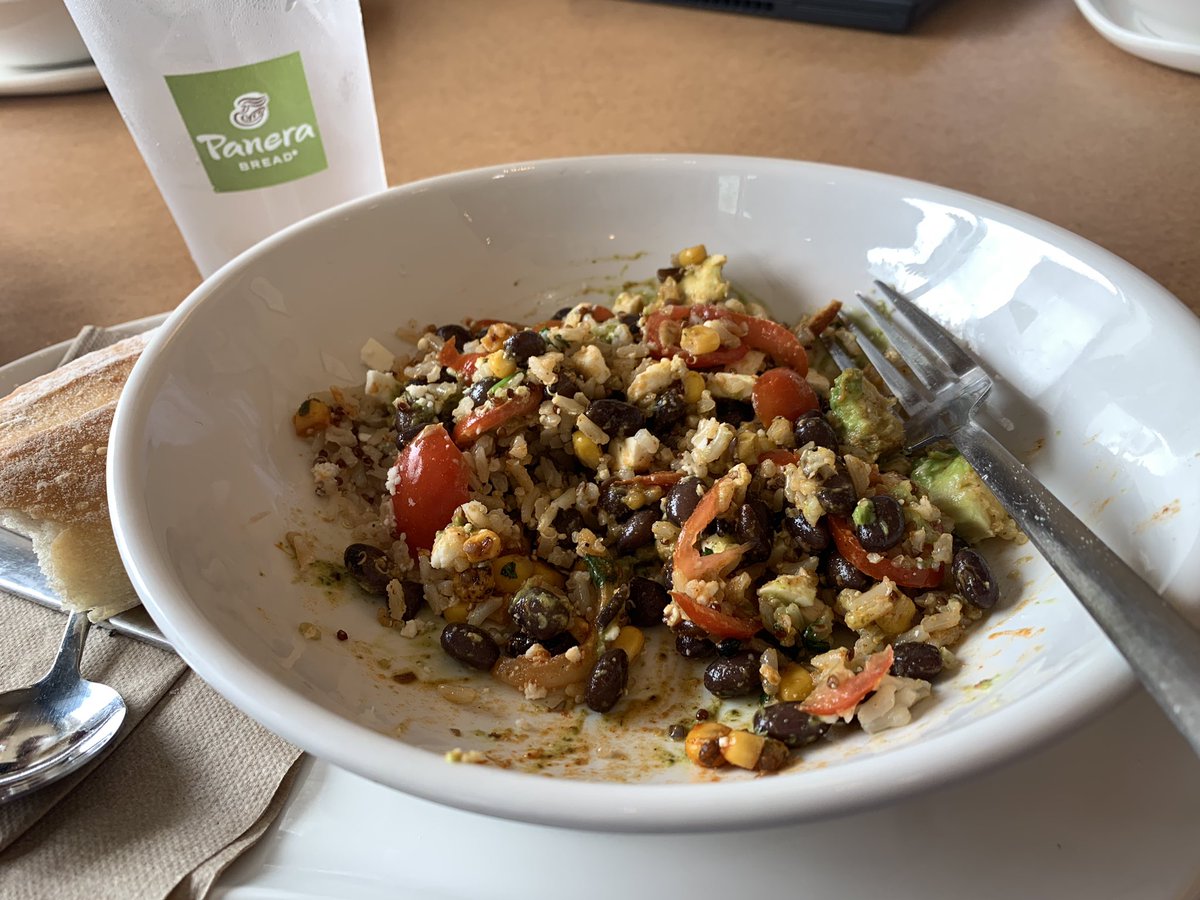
[(53, 441)]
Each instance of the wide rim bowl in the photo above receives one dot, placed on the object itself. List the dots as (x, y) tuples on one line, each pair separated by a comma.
[(1094, 678)]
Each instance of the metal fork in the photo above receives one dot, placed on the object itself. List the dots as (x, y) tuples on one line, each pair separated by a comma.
[(1156, 640)]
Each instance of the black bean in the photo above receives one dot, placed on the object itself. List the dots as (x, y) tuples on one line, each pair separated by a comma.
[(414, 596), (612, 608), (683, 498), (563, 313), (788, 723), (616, 417), (524, 344), (470, 645), (410, 422), (691, 641), (456, 333), (564, 385), (735, 412), (753, 526), (608, 679), (811, 538), (885, 526), (916, 660), (675, 272), (837, 495), (729, 647), (539, 612), (478, 392), (668, 411), (520, 642), (844, 575), (735, 676), (568, 521), (631, 321), (637, 531), (812, 427), (974, 580), (368, 566), (646, 601), (612, 499)]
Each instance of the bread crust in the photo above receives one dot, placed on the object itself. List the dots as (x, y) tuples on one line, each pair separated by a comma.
[(53, 442)]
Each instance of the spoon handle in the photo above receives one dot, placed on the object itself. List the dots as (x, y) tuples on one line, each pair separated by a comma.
[(66, 665)]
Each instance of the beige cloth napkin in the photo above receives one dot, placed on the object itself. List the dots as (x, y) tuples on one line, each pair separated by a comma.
[(189, 784)]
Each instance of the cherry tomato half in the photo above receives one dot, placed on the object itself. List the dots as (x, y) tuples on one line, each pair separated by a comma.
[(782, 392), (432, 483)]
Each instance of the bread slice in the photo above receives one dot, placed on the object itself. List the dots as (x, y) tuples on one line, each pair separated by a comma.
[(53, 441)]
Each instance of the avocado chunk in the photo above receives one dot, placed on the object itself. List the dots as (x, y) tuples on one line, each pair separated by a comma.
[(957, 490), (862, 417)]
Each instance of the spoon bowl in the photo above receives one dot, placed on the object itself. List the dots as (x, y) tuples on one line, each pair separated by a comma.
[(53, 727)]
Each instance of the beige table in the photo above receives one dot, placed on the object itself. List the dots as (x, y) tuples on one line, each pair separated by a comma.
[(1019, 101)]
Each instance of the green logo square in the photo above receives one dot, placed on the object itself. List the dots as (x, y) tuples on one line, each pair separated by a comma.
[(252, 126)]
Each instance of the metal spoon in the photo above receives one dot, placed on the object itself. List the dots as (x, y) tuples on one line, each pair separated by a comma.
[(53, 727)]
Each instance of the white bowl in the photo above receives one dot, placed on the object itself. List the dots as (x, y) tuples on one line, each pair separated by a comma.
[(206, 475), (39, 33)]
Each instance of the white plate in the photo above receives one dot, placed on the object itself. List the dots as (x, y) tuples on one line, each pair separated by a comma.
[(1117, 816), (205, 475), (1120, 24), (16, 81)]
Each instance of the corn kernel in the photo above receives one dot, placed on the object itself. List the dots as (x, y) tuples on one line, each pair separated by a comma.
[(500, 364), (703, 744), (693, 387), (795, 683), (510, 572), (482, 546), (699, 339), (900, 618), (311, 417), (457, 613), (587, 451), (693, 256), (629, 639), (547, 574), (742, 748)]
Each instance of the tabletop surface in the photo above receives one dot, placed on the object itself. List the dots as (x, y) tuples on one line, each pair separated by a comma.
[(1019, 101)]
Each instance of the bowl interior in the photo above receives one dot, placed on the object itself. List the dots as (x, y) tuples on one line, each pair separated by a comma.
[(207, 476)]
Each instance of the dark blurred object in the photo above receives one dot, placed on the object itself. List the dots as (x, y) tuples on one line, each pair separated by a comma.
[(878, 15)]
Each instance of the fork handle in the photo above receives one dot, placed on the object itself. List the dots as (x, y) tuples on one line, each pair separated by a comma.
[(1159, 644)]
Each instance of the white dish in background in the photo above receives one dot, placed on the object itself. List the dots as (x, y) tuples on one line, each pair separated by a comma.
[(55, 80), (326, 841), (1125, 26), (206, 476)]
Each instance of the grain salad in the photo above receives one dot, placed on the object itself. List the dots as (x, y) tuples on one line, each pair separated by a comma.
[(546, 496)]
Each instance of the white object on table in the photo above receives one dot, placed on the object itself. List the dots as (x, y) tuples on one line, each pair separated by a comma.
[(1121, 23)]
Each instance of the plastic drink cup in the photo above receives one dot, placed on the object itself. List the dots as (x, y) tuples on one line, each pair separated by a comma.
[(250, 114)]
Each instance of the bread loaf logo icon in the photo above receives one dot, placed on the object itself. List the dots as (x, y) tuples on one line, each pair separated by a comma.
[(250, 110)]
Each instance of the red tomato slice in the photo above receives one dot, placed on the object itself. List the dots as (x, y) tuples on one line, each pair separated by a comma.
[(432, 483), (776, 341), (856, 555), (462, 363), (486, 418), (782, 392), (780, 457), (834, 701), (718, 624), (687, 562), (715, 359)]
